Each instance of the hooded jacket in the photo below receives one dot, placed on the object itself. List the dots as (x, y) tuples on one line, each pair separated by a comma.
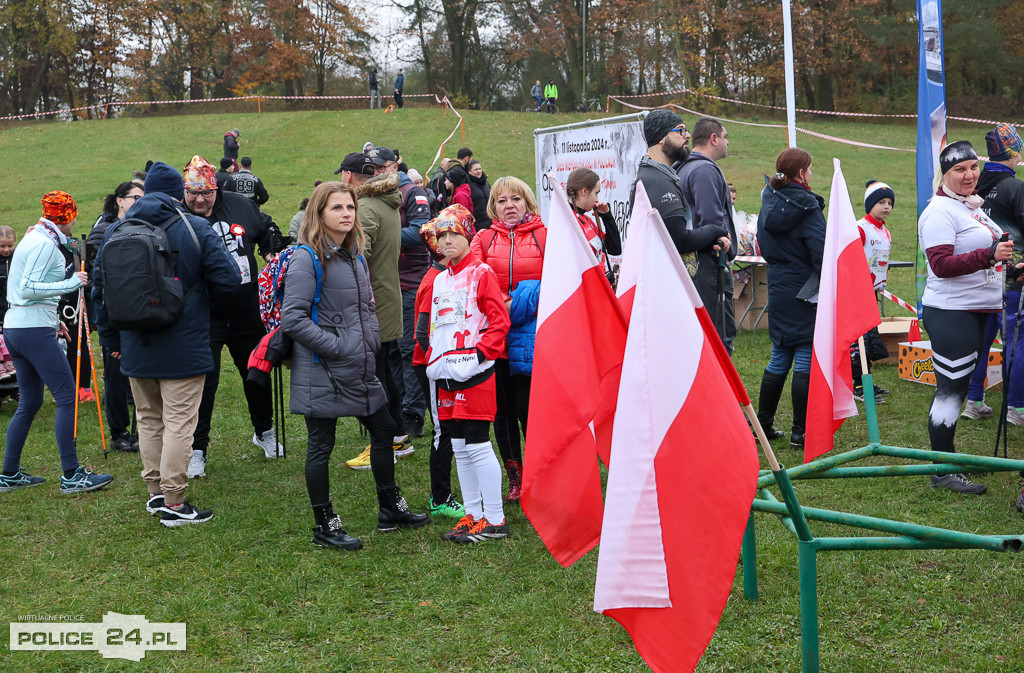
[(230, 146), (343, 382), (379, 200), (1004, 203), (665, 194), (240, 226), (707, 197), (182, 349), (516, 253), (791, 236), (414, 259), (480, 193)]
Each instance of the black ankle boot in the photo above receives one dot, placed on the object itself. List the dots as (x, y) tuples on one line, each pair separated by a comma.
[(394, 512), (801, 383), (328, 531), (768, 402)]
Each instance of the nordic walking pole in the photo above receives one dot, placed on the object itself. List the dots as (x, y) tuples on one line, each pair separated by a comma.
[(1009, 350), (84, 318), (983, 358), (78, 346)]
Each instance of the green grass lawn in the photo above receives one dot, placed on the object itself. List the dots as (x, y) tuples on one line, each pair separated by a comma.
[(257, 596)]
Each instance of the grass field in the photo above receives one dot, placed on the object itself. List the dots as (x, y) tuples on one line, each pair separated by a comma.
[(258, 597)]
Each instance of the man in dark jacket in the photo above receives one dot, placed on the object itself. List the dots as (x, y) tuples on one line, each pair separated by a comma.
[(245, 183), (413, 263), (227, 166), (231, 146), (374, 92), (707, 196), (235, 320), (167, 367), (399, 86), (666, 139)]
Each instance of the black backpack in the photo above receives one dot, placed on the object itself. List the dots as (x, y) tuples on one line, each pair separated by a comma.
[(141, 289)]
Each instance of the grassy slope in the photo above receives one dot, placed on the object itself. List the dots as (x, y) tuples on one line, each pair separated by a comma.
[(258, 597)]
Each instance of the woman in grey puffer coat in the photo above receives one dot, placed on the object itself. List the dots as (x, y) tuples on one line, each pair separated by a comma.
[(333, 359)]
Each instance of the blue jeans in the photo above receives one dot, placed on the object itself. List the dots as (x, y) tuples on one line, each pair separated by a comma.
[(784, 357), (39, 361), (539, 99), (1015, 386)]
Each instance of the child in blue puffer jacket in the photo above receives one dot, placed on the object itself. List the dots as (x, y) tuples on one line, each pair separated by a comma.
[(523, 312)]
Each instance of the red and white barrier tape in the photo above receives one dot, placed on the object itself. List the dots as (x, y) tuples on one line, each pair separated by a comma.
[(440, 149), (804, 110), (126, 103), (896, 300)]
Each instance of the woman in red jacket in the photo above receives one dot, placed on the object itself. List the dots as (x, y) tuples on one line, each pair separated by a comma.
[(456, 181), (514, 248)]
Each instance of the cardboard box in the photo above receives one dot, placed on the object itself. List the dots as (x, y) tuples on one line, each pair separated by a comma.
[(915, 360), (894, 331), (752, 295)]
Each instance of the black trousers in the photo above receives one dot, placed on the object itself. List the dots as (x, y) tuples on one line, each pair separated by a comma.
[(389, 373), (116, 391), (441, 444), (320, 445), (957, 338), (241, 336), (398, 99), (513, 398)]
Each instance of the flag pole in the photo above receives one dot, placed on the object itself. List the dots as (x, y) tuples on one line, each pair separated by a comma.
[(762, 439)]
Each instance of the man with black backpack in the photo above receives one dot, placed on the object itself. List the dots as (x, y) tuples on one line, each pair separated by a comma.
[(152, 276), (234, 321)]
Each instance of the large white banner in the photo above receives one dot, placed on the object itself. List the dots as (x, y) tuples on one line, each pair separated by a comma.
[(611, 148)]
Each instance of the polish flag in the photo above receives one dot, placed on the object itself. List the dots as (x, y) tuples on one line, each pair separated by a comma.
[(846, 310), (683, 467), (581, 333)]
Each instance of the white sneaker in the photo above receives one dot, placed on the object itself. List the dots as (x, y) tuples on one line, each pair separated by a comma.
[(197, 465), (271, 447), (1013, 415), (976, 410)]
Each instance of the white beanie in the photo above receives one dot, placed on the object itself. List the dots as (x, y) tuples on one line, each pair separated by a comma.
[(414, 175)]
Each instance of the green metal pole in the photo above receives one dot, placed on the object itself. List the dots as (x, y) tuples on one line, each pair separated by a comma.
[(787, 520), (893, 471), (803, 531), (749, 553), (820, 464), (870, 410), (996, 464), (884, 543), (967, 540), (809, 641)]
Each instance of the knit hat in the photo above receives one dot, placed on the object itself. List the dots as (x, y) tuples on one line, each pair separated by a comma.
[(414, 175), (954, 153), (200, 175), (164, 179), (1003, 143), (875, 192), (59, 207), (658, 123), (455, 218)]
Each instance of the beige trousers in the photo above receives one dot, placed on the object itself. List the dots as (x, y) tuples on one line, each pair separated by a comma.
[(167, 412)]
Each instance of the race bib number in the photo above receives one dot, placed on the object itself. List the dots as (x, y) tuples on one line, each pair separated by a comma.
[(450, 308)]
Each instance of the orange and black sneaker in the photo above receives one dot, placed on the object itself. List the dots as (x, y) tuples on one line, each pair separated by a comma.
[(483, 530), (464, 525)]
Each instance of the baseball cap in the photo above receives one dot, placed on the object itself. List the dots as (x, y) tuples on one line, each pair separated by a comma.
[(356, 162), (380, 156)]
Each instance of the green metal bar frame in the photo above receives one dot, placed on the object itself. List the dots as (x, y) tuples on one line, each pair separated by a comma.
[(903, 535)]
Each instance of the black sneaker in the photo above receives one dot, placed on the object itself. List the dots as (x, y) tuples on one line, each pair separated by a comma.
[(880, 392), (123, 443), (184, 516), (959, 483), (154, 504), (483, 531)]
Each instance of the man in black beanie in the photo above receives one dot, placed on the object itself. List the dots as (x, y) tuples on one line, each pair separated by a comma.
[(667, 138)]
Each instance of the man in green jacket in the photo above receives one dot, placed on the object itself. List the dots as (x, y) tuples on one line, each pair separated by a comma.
[(551, 94), (375, 177)]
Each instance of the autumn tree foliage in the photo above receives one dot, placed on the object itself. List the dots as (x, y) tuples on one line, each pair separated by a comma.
[(858, 56)]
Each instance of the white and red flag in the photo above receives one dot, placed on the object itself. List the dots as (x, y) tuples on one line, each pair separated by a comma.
[(581, 333), (846, 310), (683, 465)]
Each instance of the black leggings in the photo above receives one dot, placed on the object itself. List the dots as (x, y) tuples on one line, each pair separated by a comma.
[(513, 397), (321, 444), (957, 338)]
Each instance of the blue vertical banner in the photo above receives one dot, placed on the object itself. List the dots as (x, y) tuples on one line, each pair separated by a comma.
[(931, 114)]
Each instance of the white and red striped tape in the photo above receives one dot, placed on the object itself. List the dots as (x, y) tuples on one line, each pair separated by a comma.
[(899, 302)]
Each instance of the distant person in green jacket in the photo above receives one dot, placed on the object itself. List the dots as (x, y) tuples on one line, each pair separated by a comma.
[(551, 95)]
